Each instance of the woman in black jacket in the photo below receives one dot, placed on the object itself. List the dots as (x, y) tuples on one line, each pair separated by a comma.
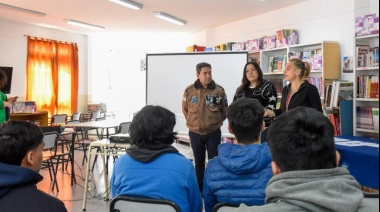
[(299, 92)]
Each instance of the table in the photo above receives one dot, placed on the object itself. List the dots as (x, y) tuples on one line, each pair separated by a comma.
[(361, 161), (39, 115), (105, 150), (105, 124)]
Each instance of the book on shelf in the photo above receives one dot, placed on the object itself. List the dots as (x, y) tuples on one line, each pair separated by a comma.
[(367, 56), (375, 118), (335, 122), (367, 118), (317, 61), (316, 81), (341, 90), (292, 55), (368, 86), (327, 99)]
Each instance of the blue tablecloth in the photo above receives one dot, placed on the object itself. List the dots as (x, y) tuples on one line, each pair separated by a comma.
[(361, 161)]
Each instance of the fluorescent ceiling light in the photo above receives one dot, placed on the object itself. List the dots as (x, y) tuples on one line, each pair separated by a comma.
[(128, 3), (169, 18), (82, 24), (46, 25), (23, 10)]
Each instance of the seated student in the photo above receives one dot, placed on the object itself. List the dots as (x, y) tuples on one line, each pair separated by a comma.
[(305, 167), (21, 145), (242, 170), (152, 167)]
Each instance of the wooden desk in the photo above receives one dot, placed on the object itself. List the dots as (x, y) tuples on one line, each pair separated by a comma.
[(42, 116)]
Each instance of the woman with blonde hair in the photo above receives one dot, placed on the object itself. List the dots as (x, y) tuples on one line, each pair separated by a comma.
[(299, 92)]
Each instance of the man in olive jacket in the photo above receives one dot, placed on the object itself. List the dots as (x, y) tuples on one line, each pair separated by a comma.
[(204, 106)]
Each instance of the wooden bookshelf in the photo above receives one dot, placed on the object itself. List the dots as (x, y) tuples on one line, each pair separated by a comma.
[(363, 102), (328, 72)]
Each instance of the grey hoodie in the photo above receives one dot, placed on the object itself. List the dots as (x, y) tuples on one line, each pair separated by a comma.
[(313, 190)]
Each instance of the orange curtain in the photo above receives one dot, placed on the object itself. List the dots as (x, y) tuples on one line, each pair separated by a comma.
[(52, 75)]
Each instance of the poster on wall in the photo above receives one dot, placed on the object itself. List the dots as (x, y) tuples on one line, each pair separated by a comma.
[(348, 64), (8, 71)]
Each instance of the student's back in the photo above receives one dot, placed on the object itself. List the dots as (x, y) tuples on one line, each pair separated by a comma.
[(24, 195), (242, 170), (21, 145), (306, 176)]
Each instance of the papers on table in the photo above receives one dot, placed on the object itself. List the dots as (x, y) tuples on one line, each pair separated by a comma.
[(347, 142)]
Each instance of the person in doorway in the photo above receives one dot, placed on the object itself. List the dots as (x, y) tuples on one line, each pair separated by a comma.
[(4, 101), (204, 105), (305, 168), (154, 168), (241, 171), (254, 86), (21, 146), (299, 92)]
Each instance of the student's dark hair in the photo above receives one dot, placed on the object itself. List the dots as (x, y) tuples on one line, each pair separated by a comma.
[(152, 127), (16, 139), (302, 139), (245, 117), (202, 65), (303, 66)]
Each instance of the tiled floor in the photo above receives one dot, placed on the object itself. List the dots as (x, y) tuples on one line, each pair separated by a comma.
[(72, 196)]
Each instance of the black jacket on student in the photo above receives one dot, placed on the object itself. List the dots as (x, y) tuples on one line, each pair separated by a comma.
[(307, 95), (18, 191)]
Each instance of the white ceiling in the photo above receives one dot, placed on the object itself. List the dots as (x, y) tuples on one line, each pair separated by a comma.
[(199, 14)]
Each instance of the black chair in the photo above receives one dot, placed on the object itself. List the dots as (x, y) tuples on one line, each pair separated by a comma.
[(94, 115), (75, 116), (58, 119), (124, 203), (124, 128), (224, 207), (54, 154)]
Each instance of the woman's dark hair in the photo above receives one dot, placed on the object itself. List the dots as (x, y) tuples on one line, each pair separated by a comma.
[(16, 139), (302, 139), (245, 82), (152, 127)]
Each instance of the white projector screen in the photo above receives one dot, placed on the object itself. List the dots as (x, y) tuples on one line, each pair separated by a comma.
[(168, 75)]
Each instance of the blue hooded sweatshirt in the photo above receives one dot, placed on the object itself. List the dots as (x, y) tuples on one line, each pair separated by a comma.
[(161, 173), (238, 175), (18, 191)]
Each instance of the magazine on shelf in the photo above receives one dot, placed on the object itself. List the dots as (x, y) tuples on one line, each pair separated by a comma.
[(341, 90)]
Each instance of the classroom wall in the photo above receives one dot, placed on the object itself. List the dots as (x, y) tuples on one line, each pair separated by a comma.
[(13, 51), (117, 77)]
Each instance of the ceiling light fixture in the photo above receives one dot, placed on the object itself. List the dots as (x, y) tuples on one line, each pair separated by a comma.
[(169, 18), (128, 3), (19, 9), (82, 24)]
